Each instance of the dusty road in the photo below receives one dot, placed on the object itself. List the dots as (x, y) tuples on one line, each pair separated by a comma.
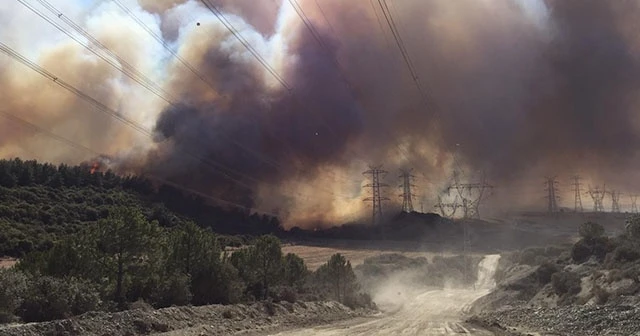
[(435, 312)]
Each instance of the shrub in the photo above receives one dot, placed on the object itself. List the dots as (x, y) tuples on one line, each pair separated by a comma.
[(545, 271), (289, 295), (626, 253), (175, 291), (50, 298), (586, 248), (566, 283), (580, 252), (632, 227), (601, 296), (361, 300), (590, 230), (13, 286)]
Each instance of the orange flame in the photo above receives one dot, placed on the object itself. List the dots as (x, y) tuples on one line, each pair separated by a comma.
[(94, 168)]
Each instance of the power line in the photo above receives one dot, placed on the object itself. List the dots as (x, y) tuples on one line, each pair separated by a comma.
[(163, 43), (129, 71), (219, 168), (81, 147), (229, 26)]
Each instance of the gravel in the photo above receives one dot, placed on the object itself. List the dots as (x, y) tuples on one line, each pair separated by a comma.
[(206, 320), (568, 320)]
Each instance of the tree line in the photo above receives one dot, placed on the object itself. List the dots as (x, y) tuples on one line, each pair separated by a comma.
[(41, 203), (126, 258)]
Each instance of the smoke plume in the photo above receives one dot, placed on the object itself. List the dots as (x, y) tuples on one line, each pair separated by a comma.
[(515, 90)]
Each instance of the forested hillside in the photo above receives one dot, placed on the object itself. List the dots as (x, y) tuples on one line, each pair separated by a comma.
[(41, 203)]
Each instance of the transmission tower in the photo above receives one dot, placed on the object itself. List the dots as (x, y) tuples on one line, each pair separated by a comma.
[(472, 195), (448, 210), (407, 196), (615, 201), (577, 189), (634, 203), (376, 198), (597, 195), (552, 194)]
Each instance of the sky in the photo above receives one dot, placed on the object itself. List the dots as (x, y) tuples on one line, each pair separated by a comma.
[(515, 90)]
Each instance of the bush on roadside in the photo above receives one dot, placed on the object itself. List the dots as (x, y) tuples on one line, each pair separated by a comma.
[(361, 300), (600, 295), (591, 230), (288, 294), (13, 287), (545, 271), (49, 298), (597, 247), (566, 283)]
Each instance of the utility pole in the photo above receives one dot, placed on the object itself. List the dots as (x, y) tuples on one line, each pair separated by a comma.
[(577, 188), (376, 198), (552, 195), (597, 195), (407, 196), (615, 201), (634, 203)]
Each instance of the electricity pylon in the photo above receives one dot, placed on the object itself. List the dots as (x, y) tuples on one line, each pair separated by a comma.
[(448, 210), (577, 189), (634, 203), (407, 195), (376, 198), (615, 201), (597, 195), (552, 194)]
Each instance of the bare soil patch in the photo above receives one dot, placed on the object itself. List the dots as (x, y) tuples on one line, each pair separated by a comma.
[(315, 256), (6, 262)]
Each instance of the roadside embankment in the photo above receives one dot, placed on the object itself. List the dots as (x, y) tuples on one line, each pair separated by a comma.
[(205, 320)]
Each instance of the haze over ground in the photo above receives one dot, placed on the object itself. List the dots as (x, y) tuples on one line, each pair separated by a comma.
[(517, 89)]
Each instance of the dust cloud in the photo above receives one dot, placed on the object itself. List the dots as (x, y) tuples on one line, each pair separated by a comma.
[(516, 90)]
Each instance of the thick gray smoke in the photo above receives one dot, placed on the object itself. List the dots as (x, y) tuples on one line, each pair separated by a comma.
[(517, 89)]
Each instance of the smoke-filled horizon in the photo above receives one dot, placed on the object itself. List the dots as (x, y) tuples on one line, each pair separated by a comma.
[(517, 90)]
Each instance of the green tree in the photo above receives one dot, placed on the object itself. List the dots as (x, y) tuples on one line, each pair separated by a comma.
[(343, 280), (295, 271), (126, 242), (266, 257)]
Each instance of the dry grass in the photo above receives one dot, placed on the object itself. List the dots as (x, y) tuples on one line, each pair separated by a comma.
[(314, 256)]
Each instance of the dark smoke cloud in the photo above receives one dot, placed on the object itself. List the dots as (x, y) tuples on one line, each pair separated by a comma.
[(259, 134), (518, 92)]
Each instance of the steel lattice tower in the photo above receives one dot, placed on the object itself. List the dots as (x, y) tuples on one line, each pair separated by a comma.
[(615, 201), (577, 188), (597, 195), (407, 196), (376, 198), (552, 194), (448, 210)]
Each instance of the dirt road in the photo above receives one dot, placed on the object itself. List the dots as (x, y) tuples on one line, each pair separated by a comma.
[(434, 312)]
